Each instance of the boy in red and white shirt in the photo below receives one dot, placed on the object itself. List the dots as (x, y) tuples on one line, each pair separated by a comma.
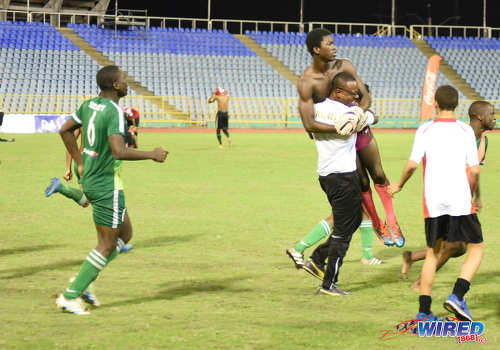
[(448, 149)]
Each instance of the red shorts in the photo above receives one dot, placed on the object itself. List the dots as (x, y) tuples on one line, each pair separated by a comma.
[(363, 139)]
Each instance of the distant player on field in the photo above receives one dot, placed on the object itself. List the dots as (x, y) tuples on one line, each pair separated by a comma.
[(448, 148), (133, 120), (222, 118), (482, 118), (103, 127)]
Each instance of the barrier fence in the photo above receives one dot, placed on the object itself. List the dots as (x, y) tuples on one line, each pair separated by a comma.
[(185, 111), (239, 26)]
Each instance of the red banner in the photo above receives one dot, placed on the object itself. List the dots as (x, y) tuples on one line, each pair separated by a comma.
[(431, 75)]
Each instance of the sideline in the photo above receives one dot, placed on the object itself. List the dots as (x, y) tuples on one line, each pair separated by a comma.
[(259, 130)]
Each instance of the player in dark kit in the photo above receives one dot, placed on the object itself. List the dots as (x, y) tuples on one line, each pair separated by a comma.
[(222, 121), (133, 120)]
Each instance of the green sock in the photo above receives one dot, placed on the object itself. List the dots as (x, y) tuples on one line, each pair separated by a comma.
[(92, 265), (73, 193), (321, 230), (366, 238), (119, 245)]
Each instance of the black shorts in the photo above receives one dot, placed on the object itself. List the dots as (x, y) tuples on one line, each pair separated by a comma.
[(465, 228), (222, 120), (344, 194), (129, 140)]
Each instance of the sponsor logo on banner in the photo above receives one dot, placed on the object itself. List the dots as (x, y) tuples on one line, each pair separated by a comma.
[(49, 123), (430, 79)]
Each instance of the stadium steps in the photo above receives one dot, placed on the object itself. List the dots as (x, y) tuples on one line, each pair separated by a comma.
[(268, 58), (133, 84), (448, 71)]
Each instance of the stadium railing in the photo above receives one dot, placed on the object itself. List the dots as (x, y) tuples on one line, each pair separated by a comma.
[(417, 31), (243, 111), (236, 26)]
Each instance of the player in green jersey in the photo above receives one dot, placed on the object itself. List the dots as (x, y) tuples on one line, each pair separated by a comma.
[(103, 127), (482, 118)]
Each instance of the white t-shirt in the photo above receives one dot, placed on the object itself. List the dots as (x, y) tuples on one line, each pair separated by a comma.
[(336, 153), (448, 148)]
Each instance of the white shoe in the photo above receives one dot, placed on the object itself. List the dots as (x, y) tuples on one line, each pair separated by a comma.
[(297, 258), (74, 306), (372, 261), (88, 295)]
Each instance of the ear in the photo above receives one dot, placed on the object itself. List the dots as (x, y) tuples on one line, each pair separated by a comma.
[(316, 50)]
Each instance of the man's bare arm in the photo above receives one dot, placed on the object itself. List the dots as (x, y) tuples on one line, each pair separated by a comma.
[(69, 139), (366, 100), (211, 99), (121, 152), (408, 171), (306, 109), (474, 179)]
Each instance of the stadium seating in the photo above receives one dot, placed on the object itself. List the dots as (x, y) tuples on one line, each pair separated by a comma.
[(477, 60), (392, 66), (183, 67), (182, 62), (38, 60)]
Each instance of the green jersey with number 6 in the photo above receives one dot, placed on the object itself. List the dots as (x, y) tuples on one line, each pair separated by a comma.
[(100, 117)]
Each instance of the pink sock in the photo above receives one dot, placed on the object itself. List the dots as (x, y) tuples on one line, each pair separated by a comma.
[(386, 199), (370, 208)]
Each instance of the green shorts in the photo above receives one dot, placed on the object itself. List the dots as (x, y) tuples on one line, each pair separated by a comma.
[(108, 207)]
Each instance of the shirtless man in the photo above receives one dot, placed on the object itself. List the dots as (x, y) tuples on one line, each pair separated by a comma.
[(220, 95), (314, 85)]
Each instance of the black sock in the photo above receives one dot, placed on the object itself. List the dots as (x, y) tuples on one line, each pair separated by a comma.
[(425, 304), (219, 138), (461, 287)]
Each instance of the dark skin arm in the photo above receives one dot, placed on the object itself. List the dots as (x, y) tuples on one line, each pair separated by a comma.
[(366, 100), (68, 136), (121, 152), (306, 109)]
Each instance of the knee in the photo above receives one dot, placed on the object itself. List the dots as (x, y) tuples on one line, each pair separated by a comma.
[(107, 247), (365, 183), (455, 249), (460, 249), (378, 175)]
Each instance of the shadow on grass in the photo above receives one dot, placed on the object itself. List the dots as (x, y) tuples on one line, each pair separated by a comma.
[(178, 289), (28, 271), (385, 275), (34, 248), (163, 241)]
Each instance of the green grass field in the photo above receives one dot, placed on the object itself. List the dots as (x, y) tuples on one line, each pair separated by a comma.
[(208, 269)]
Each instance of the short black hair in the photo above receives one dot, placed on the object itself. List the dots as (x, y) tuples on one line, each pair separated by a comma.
[(107, 76), (315, 37), (446, 97), (341, 79), (477, 108)]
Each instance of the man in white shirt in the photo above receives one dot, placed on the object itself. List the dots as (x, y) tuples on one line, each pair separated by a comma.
[(451, 174), (338, 176)]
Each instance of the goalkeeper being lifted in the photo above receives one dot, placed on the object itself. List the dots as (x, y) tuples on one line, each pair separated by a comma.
[(337, 170)]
